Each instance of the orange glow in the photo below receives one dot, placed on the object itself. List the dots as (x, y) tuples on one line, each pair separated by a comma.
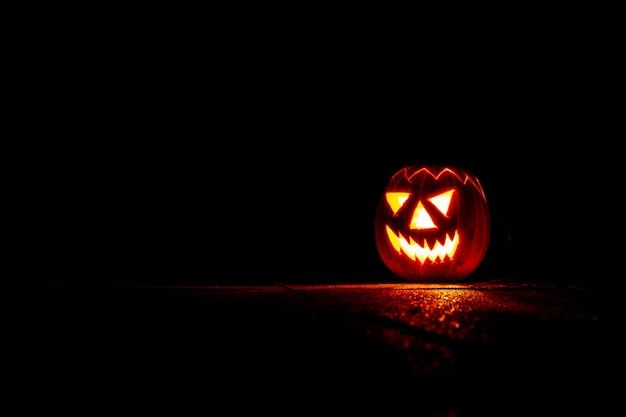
[(397, 200), (420, 253), (432, 223), (467, 178), (421, 219), (442, 201)]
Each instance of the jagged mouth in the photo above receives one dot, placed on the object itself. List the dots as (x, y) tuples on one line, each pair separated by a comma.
[(436, 253)]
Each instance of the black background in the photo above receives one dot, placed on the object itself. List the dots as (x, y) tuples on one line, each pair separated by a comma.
[(199, 147), (239, 153)]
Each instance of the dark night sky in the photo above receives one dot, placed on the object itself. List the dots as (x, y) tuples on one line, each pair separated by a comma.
[(190, 159), (298, 213)]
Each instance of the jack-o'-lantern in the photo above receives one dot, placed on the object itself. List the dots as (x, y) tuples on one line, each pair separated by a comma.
[(432, 223)]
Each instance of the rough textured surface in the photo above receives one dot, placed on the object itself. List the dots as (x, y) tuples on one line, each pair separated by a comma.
[(457, 349)]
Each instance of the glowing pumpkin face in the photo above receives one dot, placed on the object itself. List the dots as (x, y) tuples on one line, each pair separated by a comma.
[(432, 224)]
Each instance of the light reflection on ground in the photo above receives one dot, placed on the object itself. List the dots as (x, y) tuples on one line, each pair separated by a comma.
[(458, 311)]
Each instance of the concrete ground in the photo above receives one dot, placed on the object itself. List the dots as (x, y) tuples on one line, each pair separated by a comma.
[(449, 350)]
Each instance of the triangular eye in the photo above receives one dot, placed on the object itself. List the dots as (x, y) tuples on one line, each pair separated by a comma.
[(442, 201), (397, 200)]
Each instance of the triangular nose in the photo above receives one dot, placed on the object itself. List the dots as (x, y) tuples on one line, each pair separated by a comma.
[(421, 219)]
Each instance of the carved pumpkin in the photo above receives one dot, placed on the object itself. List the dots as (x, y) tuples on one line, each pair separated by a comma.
[(432, 223)]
